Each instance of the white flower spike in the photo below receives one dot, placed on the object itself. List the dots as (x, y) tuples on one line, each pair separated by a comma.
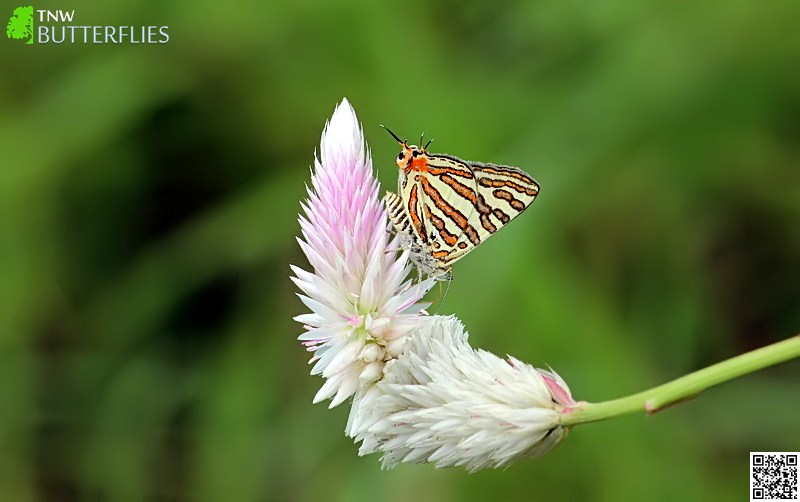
[(361, 305), (447, 403)]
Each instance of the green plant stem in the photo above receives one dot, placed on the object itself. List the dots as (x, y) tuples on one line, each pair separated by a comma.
[(686, 387)]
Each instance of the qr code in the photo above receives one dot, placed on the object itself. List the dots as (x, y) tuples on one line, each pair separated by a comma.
[(773, 476)]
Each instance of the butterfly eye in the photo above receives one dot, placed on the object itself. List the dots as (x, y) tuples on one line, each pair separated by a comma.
[(416, 153), (401, 156)]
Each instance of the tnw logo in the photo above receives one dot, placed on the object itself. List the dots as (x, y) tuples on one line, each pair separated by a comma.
[(58, 16), (20, 26)]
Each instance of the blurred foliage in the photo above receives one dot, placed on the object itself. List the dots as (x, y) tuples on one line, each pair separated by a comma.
[(148, 203)]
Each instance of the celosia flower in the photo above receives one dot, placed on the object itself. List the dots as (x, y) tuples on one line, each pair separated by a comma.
[(444, 402), (422, 394), (362, 306)]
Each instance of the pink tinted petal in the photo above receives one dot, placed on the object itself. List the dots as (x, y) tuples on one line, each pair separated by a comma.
[(560, 395)]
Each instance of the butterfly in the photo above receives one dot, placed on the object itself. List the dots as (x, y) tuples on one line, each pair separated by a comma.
[(445, 206)]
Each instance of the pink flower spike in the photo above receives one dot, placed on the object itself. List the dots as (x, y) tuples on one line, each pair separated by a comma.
[(357, 292)]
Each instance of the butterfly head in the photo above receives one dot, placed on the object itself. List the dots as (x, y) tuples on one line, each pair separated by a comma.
[(409, 153)]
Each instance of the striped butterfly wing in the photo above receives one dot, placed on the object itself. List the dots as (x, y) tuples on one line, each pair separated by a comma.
[(440, 201), (448, 207), (495, 195), (504, 192)]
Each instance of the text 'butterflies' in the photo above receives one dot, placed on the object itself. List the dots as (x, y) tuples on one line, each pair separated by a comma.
[(446, 206)]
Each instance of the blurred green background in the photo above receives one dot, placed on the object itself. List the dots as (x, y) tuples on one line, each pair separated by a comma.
[(148, 202)]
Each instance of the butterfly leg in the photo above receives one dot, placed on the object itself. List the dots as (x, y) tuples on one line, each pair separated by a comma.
[(446, 277)]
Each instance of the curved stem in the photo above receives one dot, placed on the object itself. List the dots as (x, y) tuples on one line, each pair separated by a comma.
[(686, 387)]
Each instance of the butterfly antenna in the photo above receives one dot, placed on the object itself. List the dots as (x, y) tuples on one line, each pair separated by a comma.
[(426, 144), (394, 135)]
